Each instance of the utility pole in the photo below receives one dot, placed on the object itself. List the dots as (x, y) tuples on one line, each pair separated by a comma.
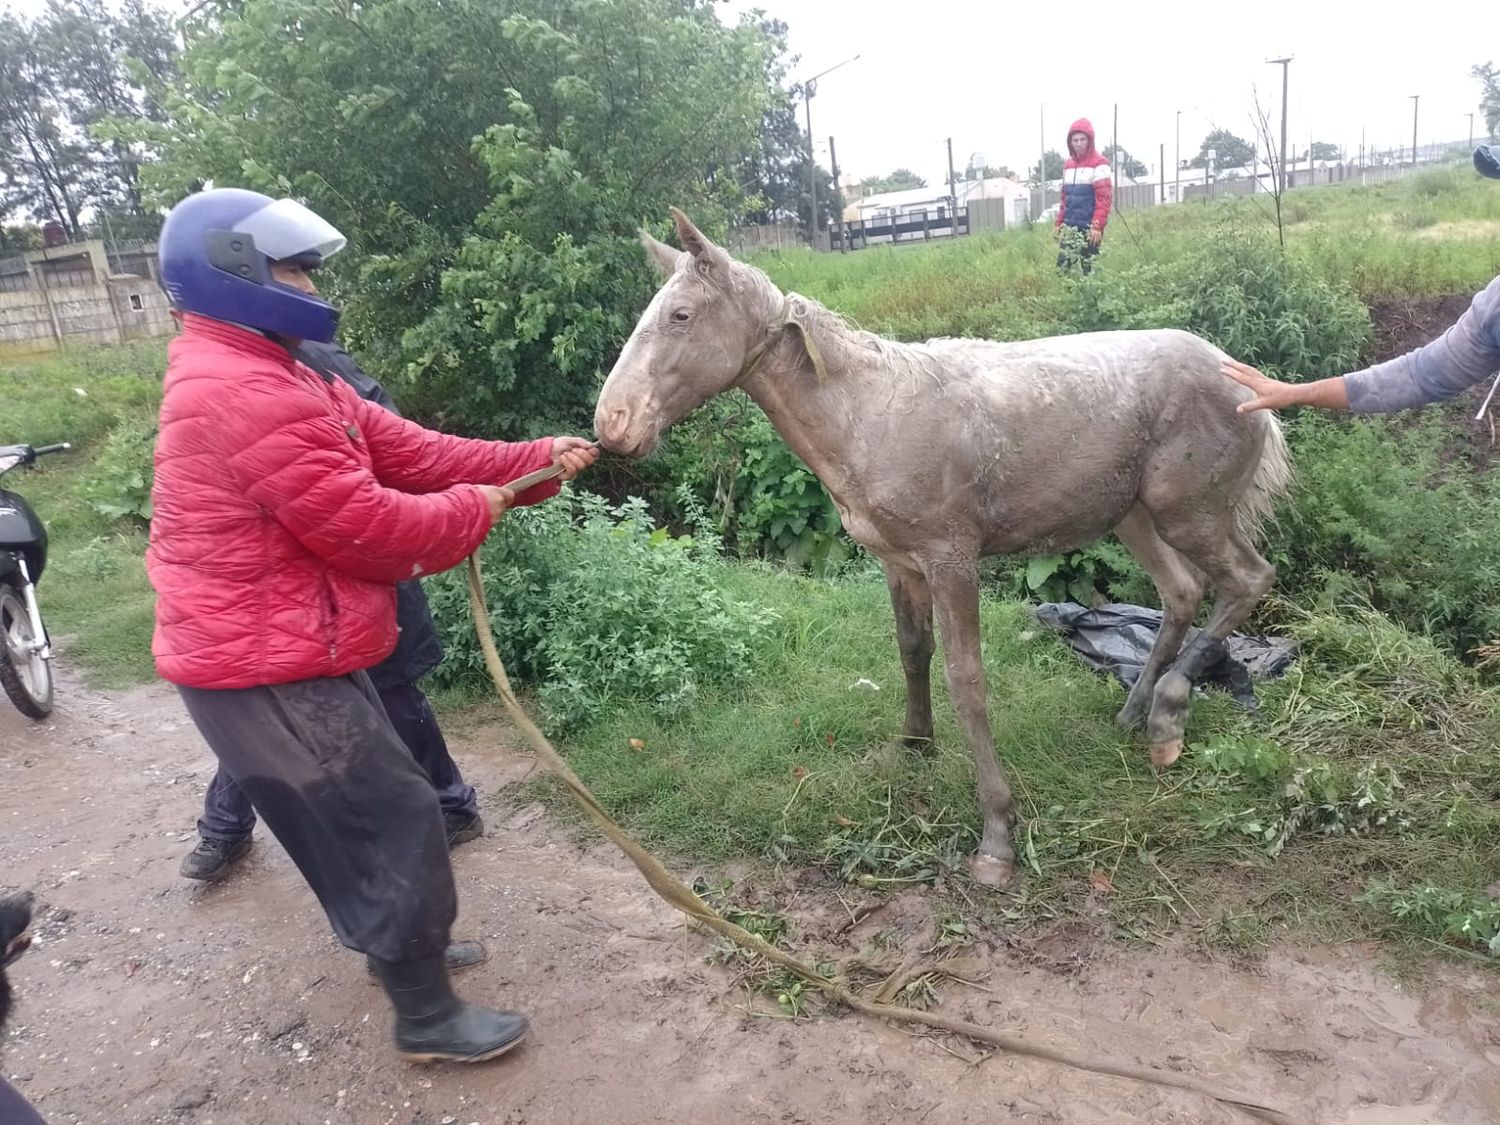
[(1471, 130), (1414, 100), (838, 215), (1114, 164), (809, 91), (1283, 64), (1161, 162), (812, 166), (1041, 168), (952, 194), (1177, 178)]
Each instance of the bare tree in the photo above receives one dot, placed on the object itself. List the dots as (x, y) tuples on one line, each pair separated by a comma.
[(1275, 158)]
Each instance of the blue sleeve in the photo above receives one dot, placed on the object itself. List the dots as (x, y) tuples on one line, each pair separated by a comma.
[(1468, 353)]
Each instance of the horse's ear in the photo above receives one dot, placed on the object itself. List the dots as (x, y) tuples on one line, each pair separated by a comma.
[(696, 243), (662, 256)]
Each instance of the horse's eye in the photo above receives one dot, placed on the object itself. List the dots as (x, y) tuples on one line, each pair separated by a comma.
[(682, 316)]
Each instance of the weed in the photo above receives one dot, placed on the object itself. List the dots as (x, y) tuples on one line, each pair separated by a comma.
[(1460, 917)]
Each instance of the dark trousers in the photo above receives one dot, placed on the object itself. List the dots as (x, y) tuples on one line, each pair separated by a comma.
[(14, 1109), (229, 816), (325, 769), (1076, 250)]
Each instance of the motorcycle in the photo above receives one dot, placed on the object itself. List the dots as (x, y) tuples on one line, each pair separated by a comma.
[(25, 653)]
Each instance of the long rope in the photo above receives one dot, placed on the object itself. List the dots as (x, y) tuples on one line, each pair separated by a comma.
[(678, 895)]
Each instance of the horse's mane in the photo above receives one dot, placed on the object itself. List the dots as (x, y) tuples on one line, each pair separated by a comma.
[(846, 346)]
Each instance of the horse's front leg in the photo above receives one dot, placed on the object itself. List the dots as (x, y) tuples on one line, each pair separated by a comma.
[(912, 601), (955, 591)]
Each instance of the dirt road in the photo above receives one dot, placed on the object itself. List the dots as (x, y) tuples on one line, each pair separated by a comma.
[(151, 999)]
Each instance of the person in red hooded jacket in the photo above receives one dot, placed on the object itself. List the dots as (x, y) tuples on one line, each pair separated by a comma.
[(1087, 192), (287, 509)]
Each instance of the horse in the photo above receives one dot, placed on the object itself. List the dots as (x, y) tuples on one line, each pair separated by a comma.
[(940, 453)]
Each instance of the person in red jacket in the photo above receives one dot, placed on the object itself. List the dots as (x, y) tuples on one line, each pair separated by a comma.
[(286, 510), (1087, 192)]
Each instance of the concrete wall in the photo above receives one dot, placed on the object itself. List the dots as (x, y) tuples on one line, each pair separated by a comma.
[(45, 319)]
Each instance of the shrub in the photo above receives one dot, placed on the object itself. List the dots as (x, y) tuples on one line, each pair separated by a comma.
[(119, 487), (592, 604), (1373, 500)]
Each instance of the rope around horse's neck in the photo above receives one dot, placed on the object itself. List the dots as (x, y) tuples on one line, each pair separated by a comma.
[(678, 895), (793, 314)]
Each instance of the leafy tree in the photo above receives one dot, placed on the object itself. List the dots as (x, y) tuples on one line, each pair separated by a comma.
[(45, 168), (1054, 168), (103, 60), (1123, 162), (1489, 97), (902, 179), (1325, 150), (18, 239), (774, 176), (1232, 151), (490, 164), (61, 77)]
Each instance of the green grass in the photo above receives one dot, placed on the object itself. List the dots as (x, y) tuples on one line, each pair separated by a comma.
[(1432, 234), (94, 594), (800, 767)]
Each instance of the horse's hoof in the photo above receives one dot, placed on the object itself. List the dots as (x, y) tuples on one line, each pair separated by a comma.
[(921, 743), (991, 871), (1163, 754)]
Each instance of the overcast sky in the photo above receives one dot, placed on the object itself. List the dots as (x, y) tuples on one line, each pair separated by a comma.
[(989, 72), (986, 71)]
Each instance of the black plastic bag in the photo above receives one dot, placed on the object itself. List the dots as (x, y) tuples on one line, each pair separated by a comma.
[(1116, 638)]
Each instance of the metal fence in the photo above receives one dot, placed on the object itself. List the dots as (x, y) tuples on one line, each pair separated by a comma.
[(1194, 185)]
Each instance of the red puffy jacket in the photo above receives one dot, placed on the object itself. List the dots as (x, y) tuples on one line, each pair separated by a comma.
[(287, 508)]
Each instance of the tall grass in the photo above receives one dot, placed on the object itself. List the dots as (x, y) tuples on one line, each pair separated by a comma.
[(1375, 759), (1005, 286), (94, 594)]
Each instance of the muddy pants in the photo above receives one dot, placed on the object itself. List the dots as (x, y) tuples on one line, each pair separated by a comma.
[(330, 777), (228, 815)]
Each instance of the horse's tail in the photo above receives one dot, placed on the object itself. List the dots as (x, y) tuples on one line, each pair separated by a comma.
[(1272, 479)]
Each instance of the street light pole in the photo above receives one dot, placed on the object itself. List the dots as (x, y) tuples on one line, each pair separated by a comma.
[(809, 91), (952, 193), (1283, 64), (838, 217)]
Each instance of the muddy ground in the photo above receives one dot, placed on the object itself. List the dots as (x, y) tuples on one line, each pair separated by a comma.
[(151, 999), (1402, 324)]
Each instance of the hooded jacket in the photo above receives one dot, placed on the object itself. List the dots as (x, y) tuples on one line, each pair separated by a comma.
[(1087, 189)]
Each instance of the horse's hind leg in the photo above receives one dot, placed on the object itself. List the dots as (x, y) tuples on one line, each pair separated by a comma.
[(1241, 578), (1180, 586)]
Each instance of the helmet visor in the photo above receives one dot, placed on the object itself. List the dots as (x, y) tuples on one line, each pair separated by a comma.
[(286, 229)]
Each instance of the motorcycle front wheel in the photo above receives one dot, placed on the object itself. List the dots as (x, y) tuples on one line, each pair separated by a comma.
[(25, 673)]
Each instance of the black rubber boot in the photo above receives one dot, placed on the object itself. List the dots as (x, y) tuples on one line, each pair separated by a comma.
[(211, 860), (433, 1025), (458, 955), (462, 827)]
